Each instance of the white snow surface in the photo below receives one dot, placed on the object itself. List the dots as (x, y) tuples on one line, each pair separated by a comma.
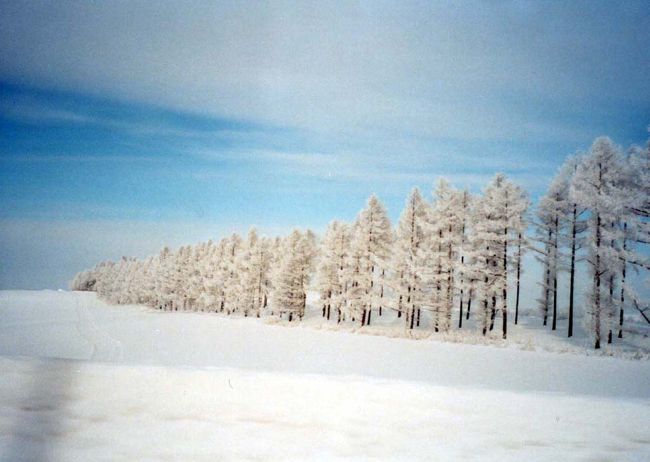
[(83, 380)]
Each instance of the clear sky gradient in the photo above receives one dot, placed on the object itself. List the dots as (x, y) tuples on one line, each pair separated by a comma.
[(125, 126)]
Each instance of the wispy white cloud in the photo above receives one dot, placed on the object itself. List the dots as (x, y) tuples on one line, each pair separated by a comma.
[(49, 159), (476, 70), (41, 112)]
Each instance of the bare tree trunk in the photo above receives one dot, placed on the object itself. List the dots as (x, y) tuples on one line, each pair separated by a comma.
[(611, 302), (493, 315), (460, 318), (485, 315), (597, 276), (505, 322), (574, 232), (505, 274), (611, 294), (519, 238), (624, 269), (381, 289), (547, 290), (462, 288), (555, 269)]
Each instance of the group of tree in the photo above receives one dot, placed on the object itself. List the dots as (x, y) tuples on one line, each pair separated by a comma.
[(450, 258), (234, 275), (597, 209)]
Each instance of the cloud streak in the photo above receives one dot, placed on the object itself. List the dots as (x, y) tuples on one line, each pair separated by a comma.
[(472, 70)]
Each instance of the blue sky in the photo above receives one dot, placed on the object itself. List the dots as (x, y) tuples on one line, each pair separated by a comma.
[(128, 125)]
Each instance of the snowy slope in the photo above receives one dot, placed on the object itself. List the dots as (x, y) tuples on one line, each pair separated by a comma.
[(196, 386)]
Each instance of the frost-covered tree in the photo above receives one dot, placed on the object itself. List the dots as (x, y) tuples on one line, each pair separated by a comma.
[(498, 223), (164, 289), (464, 281), (552, 220), (290, 288), (445, 237), (408, 258), (599, 186), (636, 227), (482, 257), (333, 262), (256, 262), (370, 250), (207, 267), (232, 271), (358, 278)]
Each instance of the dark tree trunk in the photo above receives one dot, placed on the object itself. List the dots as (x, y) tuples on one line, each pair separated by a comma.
[(505, 274), (418, 320), (369, 315), (622, 300), (555, 269), (494, 312), (597, 277), (519, 238), (460, 318), (554, 326), (469, 303), (611, 301), (399, 307), (381, 294), (574, 232), (485, 313)]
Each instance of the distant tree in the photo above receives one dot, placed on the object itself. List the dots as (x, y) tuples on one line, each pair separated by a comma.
[(255, 264), (232, 270)]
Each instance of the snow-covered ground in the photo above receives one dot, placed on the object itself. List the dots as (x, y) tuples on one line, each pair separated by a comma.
[(137, 384)]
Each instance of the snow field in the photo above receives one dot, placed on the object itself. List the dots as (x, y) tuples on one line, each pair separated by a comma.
[(67, 410), (141, 384)]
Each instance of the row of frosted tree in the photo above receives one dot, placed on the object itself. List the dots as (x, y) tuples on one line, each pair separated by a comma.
[(596, 209), (459, 255)]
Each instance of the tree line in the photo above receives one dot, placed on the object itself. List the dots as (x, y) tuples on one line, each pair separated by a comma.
[(451, 258)]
